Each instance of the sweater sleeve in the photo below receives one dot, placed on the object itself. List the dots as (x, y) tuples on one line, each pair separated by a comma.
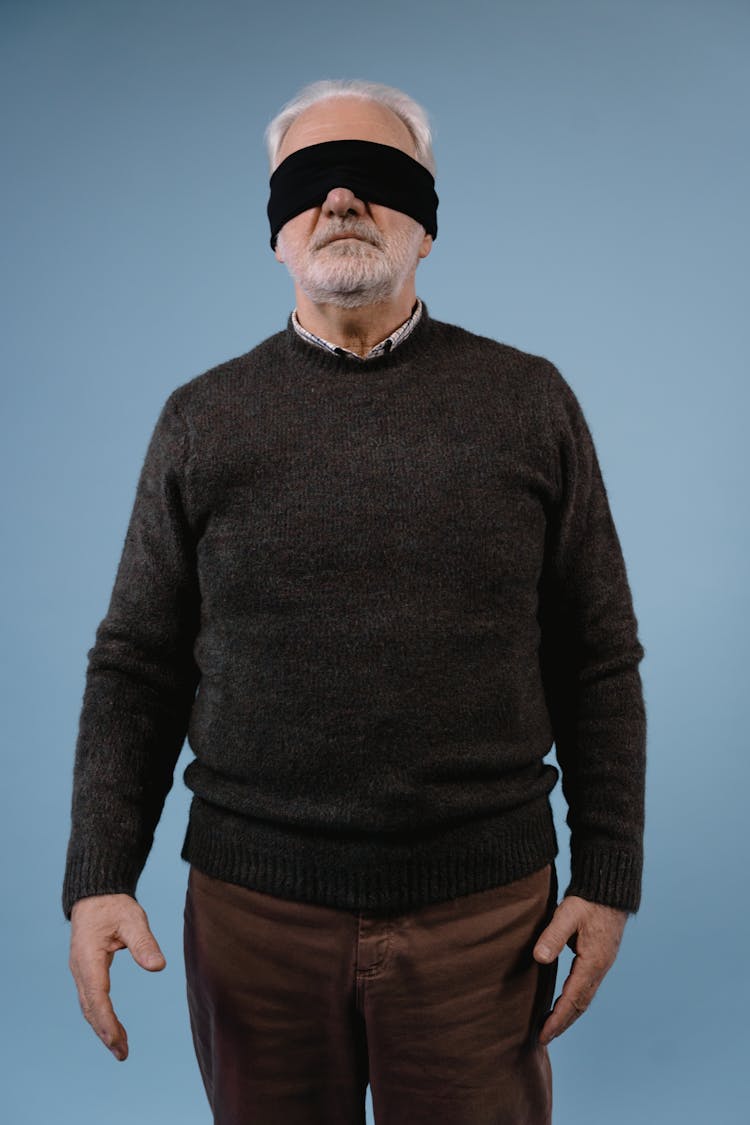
[(140, 681), (590, 653)]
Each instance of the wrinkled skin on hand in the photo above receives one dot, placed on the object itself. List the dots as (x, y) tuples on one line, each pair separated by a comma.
[(593, 932)]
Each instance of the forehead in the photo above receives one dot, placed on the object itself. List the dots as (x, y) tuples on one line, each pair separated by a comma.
[(346, 118)]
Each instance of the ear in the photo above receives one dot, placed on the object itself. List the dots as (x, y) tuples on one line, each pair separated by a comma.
[(426, 245)]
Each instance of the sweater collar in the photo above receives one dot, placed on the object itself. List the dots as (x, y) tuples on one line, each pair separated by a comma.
[(324, 359), (396, 337)]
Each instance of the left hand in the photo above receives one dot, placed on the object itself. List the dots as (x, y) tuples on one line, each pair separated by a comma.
[(594, 932)]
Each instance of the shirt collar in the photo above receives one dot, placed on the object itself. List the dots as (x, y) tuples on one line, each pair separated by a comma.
[(386, 345)]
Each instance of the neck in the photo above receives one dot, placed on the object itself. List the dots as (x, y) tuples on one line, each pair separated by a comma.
[(358, 329)]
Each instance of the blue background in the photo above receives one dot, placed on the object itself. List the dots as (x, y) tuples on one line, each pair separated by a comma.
[(593, 181)]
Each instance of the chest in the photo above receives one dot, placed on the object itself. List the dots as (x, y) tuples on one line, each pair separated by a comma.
[(309, 493)]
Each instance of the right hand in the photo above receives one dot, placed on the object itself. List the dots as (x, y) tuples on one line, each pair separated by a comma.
[(100, 925)]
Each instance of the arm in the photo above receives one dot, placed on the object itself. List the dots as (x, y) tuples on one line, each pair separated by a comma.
[(590, 654), (140, 682)]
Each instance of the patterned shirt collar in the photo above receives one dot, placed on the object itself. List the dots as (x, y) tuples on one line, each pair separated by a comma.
[(385, 345)]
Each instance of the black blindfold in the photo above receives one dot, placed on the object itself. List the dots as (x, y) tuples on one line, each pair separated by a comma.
[(375, 173)]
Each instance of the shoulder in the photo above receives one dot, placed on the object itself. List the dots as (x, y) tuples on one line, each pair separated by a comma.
[(530, 386), (488, 350), (220, 380), (526, 374)]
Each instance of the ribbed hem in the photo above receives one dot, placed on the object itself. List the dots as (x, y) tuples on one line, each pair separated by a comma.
[(382, 876), (91, 873), (603, 875)]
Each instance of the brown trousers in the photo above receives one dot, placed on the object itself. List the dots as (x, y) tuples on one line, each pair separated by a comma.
[(295, 1007)]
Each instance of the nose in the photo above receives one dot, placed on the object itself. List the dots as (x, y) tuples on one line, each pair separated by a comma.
[(342, 200)]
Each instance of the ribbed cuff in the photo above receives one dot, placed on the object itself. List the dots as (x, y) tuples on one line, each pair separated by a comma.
[(91, 873), (612, 878)]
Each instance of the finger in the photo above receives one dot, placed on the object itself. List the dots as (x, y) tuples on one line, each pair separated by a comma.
[(98, 1011), (93, 982), (577, 993), (555, 935), (558, 1021), (135, 933)]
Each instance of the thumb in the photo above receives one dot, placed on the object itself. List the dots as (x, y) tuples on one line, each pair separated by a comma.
[(144, 948), (553, 938)]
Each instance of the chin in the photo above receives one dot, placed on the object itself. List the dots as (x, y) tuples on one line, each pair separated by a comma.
[(356, 297)]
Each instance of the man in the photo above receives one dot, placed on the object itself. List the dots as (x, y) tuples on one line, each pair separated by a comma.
[(380, 548)]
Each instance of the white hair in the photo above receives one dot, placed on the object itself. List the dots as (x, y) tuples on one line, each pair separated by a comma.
[(410, 112)]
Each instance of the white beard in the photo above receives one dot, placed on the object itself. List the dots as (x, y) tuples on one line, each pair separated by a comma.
[(354, 273)]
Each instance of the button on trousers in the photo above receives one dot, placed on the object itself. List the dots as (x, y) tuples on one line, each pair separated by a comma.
[(296, 1007)]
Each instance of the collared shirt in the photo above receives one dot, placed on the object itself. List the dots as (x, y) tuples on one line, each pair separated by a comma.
[(385, 345)]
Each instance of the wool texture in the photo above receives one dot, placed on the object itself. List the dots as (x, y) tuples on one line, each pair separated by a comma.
[(372, 596)]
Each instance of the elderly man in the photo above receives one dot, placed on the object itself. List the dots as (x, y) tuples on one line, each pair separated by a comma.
[(372, 573)]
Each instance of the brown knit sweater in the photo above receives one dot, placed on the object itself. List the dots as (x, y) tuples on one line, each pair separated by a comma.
[(371, 594)]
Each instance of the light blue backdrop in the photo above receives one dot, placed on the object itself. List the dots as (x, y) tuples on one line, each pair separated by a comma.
[(593, 182)]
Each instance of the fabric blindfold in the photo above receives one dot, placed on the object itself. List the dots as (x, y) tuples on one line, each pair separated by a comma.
[(376, 173)]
